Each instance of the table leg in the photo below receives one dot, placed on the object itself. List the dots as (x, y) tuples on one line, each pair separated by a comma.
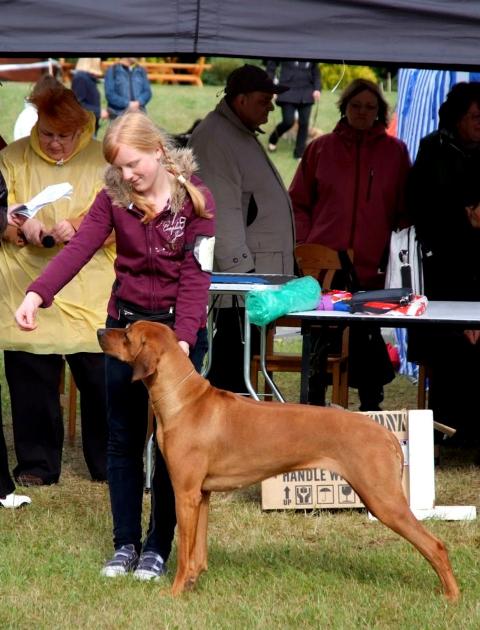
[(306, 351), (263, 351), (210, 323), (247, 357)]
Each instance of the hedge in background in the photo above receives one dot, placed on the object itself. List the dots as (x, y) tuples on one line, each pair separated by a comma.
[(333, 72)]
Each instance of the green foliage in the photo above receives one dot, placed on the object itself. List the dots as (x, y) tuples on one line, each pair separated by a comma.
[(221, 68), (332, 73)]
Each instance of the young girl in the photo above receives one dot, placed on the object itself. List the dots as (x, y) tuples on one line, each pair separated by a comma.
[(163, 216)]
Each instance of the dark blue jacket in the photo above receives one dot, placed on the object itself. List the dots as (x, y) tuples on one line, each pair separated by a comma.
[(123, 84), (84, 86)]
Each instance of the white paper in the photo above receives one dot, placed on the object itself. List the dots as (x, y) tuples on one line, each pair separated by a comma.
[(203, 252), (50, 194)]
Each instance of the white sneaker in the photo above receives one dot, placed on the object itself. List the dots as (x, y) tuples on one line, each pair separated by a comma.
[(150, 567), (124, 560), (15, 500), (272, 147)]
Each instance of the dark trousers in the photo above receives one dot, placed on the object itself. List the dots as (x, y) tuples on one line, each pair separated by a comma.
[(226, 371), (127, 405), (369, 366), (288, 120), (454, 375), (6, 483), (34, 382)]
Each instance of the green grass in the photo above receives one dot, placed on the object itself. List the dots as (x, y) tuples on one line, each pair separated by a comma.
[(322, 569), (268, 570)]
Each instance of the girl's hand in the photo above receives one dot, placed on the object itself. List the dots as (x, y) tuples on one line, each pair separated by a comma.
[(63, 231), (33, 231), (26, 313), (185, 347)]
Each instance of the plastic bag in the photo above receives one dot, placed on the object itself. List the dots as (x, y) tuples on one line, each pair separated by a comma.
[(404, 267), (301, 294)]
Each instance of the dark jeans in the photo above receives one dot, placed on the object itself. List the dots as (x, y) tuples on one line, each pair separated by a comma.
[(34, 381), (6, 483), (127, 410), (288, 120)]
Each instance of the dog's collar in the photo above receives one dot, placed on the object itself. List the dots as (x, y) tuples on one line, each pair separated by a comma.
[(154, 402)]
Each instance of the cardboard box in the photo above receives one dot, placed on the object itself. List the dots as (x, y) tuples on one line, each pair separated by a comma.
[(314, 488)]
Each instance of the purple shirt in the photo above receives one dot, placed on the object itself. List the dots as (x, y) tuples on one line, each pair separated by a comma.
[(155, 267)]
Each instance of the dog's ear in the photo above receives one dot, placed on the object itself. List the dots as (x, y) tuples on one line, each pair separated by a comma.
[(145, 363), (143, 355)]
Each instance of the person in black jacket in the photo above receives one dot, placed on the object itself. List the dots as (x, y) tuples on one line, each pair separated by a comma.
[(8, 498), (303, 79), (443, 194)]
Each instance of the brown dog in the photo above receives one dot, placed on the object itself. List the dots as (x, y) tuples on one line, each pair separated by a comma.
[(215, 440)]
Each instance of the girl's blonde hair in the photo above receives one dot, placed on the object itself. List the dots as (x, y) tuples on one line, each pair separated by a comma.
[(90, 64), (136, 130)]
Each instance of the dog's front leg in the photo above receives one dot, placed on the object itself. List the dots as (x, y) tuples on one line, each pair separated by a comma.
[(200, 553), (187, 506)]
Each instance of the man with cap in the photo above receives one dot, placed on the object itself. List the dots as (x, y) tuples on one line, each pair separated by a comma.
[(255, 228)]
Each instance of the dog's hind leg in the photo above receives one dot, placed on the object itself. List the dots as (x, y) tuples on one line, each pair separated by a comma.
[(388, 503), (433, 549)]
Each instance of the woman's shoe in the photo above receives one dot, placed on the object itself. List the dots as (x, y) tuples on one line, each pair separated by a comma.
[(28, 480), (272, 147), (15, 500)]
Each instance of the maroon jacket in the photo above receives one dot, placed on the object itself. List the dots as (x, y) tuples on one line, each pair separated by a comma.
[(155, 267), (348, 193)]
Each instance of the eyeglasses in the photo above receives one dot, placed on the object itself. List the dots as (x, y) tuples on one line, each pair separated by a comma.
[(361, 107), (61, 138)]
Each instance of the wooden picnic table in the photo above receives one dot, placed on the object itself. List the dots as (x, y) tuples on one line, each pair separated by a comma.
[(158, 72)]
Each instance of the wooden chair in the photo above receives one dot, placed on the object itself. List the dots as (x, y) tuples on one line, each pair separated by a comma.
[(322, 263), (68, 401)]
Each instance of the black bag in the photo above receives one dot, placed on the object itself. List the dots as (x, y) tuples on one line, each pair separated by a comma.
[(133, 313), (381, 300)]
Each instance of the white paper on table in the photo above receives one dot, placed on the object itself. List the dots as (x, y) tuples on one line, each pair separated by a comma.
[(50, 194)]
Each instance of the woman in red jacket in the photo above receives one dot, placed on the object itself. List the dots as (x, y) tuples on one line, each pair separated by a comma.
[(348, 193)]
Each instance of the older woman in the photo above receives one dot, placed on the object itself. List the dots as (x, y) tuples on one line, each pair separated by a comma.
[(348, 193), (59, 149), (8, 498), (443, 195)]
